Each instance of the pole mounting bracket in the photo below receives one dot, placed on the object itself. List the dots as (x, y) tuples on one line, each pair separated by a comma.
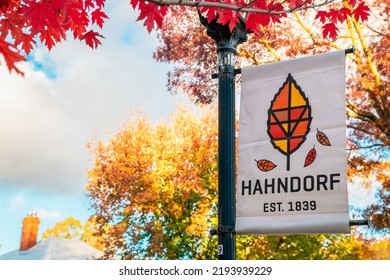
[(361, 222), (222, 229), (237, 71)]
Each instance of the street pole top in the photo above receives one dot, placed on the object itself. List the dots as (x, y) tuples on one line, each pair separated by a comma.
[(226, 39)]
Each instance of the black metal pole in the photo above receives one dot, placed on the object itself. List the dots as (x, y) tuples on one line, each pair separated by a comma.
[(227, 42)]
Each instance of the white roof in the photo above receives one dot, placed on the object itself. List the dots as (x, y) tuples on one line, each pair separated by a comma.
[(54, 248)]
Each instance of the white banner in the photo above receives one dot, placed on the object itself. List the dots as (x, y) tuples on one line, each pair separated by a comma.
[(292, 147)]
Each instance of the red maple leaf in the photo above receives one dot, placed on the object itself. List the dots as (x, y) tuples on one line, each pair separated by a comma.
[(60, 5), (11, 24), (361, 12), (134, 3), (151, 14), (228, 16), (330, 30), (91, 39), (11, 55), (88, 4), (50, 38), (211, 12), (352, 3), (4, 4), (272, 6), (98, 17), (343, 13), (77, 20), (338, 15), (254, 21), (298, 3), (322, 15), (26, 42), (40, 16), (100, 3)]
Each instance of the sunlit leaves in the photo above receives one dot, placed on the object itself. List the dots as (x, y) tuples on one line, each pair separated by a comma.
[(151, 14), (296, 36), (98, 17), (302, 247), (24, 23), (91, 39), (71, 228), (330, 30), (157, 186), (228, 17), (49, 21), (256, 13), (254, 22), (361, 12), (156, 189), (10, 55)]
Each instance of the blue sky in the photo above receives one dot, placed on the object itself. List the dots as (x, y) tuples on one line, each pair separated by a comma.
[(68, 97)]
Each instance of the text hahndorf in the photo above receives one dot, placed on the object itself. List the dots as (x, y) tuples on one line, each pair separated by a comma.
[(290, 184)]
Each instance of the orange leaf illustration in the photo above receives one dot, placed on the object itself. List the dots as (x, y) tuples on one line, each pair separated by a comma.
[(265, 165), (322, 138), (289, 118), (311, 156)]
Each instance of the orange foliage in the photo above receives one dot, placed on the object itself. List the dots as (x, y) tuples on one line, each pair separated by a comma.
[(156, 183)]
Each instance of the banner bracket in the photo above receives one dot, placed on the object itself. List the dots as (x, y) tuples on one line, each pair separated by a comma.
[(235, 72), (350, 50), (362, 222), (222, 229)]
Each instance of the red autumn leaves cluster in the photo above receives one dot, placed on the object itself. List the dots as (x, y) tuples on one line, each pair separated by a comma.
[(25, 23), (257, 13), (330, 19)]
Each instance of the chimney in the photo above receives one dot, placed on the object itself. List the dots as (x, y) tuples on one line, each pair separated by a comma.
[(29, 231)]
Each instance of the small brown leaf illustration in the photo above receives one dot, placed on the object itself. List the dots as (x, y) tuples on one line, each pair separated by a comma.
[(322, 138), (311, 156), (265, 165)]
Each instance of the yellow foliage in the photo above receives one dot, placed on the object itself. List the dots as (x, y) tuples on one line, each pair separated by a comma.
[(167, 172)]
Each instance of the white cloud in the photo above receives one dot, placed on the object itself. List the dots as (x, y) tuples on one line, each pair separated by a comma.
[(17, 202), (45, 214), (45, 123)]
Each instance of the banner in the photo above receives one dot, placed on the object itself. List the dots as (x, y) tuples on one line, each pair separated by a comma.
[(292, 147)]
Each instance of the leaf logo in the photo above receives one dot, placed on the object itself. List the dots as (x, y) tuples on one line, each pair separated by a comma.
[(311, 156), (289, 118), (265, 165)]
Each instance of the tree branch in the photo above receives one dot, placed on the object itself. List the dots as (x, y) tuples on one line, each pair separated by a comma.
[(244, 8), (359, 114), (379, 146), (368, 53), (379, 136)]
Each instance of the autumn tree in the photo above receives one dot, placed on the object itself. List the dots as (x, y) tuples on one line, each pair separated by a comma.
[(297, 35), (72, 228), (379, 249), (304, 247), (156, 187)]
